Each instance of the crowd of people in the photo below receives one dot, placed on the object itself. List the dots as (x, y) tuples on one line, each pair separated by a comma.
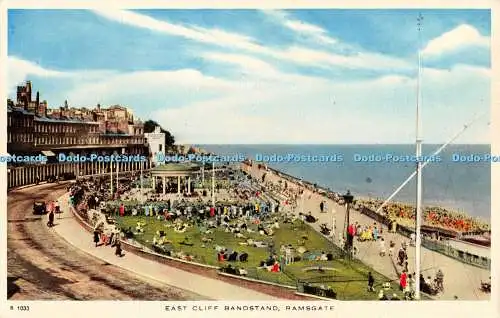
[(434, 216), (247, 209)]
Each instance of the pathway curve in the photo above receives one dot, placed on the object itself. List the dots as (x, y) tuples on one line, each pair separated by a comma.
[(214, 289)]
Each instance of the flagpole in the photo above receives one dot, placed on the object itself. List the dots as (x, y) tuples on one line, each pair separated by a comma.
[(213, 184), (117, 172), (111, 177), (142, 192), (418, 153)]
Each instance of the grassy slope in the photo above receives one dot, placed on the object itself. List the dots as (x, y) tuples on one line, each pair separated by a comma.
[(349, 279)]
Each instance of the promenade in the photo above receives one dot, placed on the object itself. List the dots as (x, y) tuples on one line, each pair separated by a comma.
[(460, 280), (213, 289)]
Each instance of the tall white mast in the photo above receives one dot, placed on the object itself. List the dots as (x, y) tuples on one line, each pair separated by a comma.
[(418, 212), (117, 173), (142, 192), (111, 177), (213, 183)]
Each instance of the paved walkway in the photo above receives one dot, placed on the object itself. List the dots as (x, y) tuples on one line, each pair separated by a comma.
[(460, 280), (213, 289)]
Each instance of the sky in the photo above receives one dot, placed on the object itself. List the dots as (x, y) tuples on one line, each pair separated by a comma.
[(265, 76)]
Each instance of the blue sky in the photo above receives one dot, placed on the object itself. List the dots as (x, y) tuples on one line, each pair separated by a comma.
[(253, 76)]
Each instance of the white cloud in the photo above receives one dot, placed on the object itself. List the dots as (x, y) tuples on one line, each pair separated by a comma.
[(311, 110), (317, 33), (359, 60), (247, 64), (462, 36), (268, 106), (195, 33), (149, 89), (300, 55), (19, 70)]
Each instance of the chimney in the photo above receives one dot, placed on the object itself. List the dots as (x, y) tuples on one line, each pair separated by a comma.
[(28, 91), (37, 99)]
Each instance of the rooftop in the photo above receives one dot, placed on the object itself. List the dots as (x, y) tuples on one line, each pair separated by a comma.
[(67, 121), (117, 135), (188, 166)]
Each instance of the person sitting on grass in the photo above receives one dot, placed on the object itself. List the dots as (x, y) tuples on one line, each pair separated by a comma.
[(239, 235), (310, 218), (242, 272), (381, 295), (275, 268), (232, 257), (180, 228), (140, 227)]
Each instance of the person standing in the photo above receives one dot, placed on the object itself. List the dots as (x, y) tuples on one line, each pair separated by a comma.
[(321, 206), (122, 210), (403, 281), (118, 250), (371, 282), (391, 248), (334, 225), (382, 247), (96, 238), (50, 223), (351, 232), (375, 233), (288, 255)]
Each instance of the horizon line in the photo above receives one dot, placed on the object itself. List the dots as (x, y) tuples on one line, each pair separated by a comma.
[(328, 144)]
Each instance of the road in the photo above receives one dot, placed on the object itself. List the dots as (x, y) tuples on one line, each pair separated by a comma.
[(43, 266)]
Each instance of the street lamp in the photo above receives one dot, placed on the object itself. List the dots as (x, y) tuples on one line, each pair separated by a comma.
[(348, 198)]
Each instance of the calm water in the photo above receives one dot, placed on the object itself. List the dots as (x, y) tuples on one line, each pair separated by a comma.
[(461, 186)]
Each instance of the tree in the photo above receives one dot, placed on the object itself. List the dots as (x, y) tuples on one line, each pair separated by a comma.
[(149, 127)]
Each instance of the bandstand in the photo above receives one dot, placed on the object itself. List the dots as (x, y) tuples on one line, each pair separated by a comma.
[(179, 171)]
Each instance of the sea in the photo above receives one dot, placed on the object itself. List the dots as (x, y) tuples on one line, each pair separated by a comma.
[(459, 178)]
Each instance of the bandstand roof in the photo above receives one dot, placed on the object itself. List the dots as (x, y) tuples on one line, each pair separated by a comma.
[(175, 169)]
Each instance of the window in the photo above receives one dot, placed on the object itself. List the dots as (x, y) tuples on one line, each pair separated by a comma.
[(160, 148)]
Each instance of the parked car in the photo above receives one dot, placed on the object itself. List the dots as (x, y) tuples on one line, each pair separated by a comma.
[(39, 207)]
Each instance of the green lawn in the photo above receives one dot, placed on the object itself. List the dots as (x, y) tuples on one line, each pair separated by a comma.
[(348, 280)]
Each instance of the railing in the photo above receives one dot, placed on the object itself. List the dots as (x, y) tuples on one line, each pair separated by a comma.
[(307, 288), (23, 175), (462, 256)]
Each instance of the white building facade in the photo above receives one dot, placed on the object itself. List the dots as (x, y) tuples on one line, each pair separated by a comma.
[(156, 143)]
